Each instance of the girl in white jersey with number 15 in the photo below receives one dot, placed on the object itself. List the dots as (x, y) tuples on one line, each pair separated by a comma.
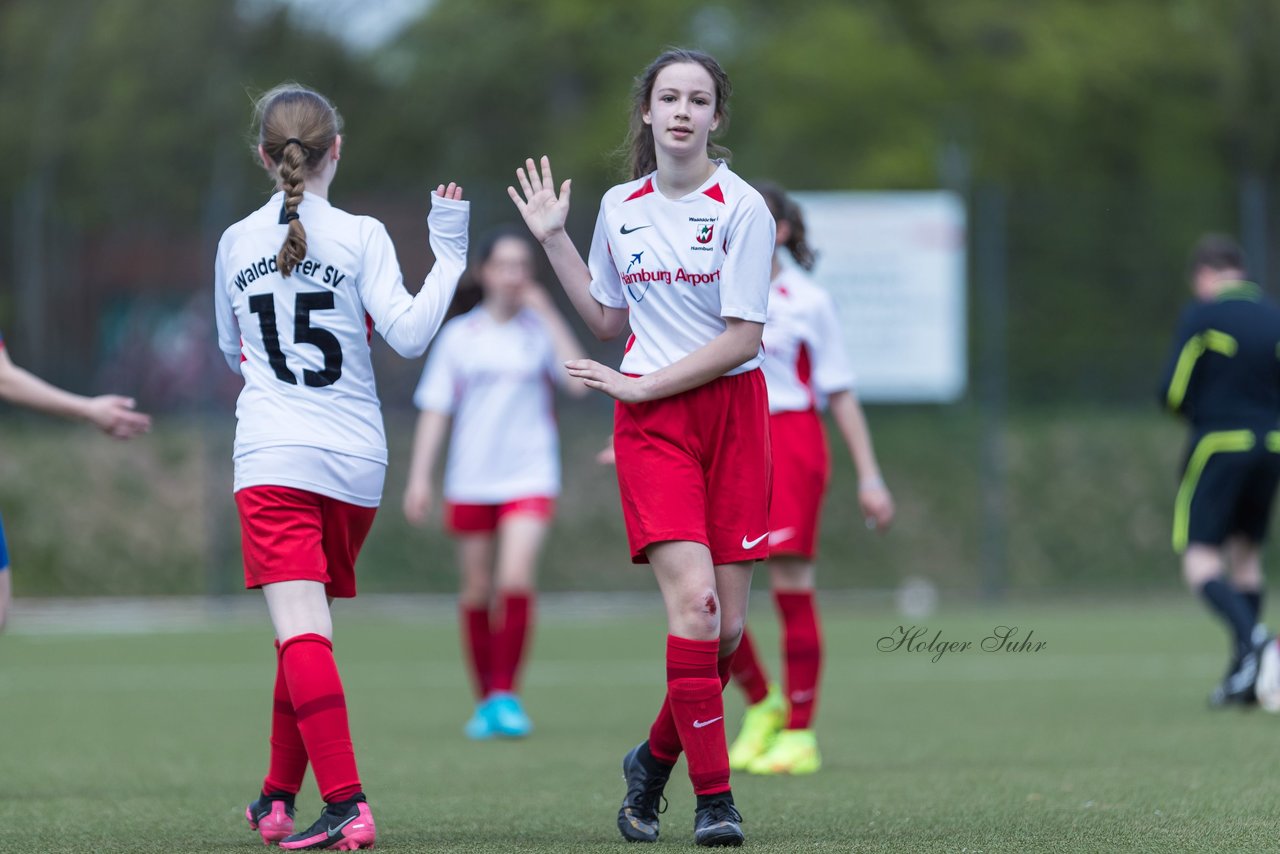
[(681, 251), (299, 288)]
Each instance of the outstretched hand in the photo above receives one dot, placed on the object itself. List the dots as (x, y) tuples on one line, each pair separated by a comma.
[(601, 378), (543, 211), (115, 416), (453, 192)]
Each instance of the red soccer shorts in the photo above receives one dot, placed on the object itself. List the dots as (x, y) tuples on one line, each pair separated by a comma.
[(695, 467), (290, 534), (801, 469), (484, 518)]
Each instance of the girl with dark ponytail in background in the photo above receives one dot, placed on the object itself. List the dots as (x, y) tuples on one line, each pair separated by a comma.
[(805, 370)]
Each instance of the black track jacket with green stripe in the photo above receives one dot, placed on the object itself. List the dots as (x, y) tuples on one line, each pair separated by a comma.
[(1224, 369)]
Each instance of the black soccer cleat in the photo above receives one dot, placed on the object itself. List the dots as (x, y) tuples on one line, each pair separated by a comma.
[(1238, 687), (638, 817), (718, 824), (342, 826)]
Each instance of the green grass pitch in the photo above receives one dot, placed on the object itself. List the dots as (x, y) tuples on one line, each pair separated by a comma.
[(1099, 742)]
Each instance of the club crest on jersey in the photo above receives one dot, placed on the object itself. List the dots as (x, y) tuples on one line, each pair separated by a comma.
[(704, 233)]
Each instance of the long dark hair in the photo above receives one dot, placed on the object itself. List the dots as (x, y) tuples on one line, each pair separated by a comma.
[(641, 157), (469, 292), (785, 209)]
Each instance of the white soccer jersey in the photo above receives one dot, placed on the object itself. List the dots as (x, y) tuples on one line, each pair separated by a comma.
[(302, 341), (496, 380), (804, 353), (682, 265)]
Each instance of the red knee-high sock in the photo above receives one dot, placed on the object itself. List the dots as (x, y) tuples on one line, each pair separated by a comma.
[(475, 640), (748, 671), (694, 692), (321, 707), (724, 669), (509, 641), (288, 754), (664, 739), (802, 652)]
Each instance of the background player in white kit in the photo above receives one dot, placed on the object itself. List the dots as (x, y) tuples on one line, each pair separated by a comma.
[(492, 373), (110, 413), (310, 453), (682, 253), (806, 369)]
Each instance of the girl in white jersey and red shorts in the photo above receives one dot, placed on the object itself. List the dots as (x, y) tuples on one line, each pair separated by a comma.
[(682, 252), (492, 371), (805, 368), (299, 288)]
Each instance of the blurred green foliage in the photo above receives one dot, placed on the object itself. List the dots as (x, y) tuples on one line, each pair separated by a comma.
[(1089, 502), (1118, 131)]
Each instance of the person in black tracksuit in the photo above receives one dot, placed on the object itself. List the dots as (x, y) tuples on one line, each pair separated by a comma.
[(1223, 376)]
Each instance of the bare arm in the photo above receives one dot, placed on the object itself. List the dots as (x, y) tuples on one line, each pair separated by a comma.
[(739, 343), (427, 440), (873, 495), (110, 413), (546, 214), (565, 344)]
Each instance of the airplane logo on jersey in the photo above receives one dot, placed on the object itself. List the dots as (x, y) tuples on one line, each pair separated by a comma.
[(704, 233), (635, 259)]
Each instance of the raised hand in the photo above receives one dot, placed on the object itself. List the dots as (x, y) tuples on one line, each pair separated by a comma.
[(115, 416), (543, 211), (453, 192)]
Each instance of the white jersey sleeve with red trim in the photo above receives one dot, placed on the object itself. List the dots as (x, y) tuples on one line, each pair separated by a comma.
[(831, 369), (606, 286), (681, 266), (748, 261), (804, 349)]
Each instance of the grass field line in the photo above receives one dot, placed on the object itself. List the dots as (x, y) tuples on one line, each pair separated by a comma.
[(144, 615), (551, 673)]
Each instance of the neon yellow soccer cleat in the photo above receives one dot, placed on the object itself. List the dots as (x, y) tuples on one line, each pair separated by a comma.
[(794, 751), (760, 724)]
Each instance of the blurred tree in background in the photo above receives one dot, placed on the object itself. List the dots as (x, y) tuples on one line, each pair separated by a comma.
[(1117, 132)]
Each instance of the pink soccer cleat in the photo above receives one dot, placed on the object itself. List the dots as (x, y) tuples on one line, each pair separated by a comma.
[(344, 826), (272, 816)]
